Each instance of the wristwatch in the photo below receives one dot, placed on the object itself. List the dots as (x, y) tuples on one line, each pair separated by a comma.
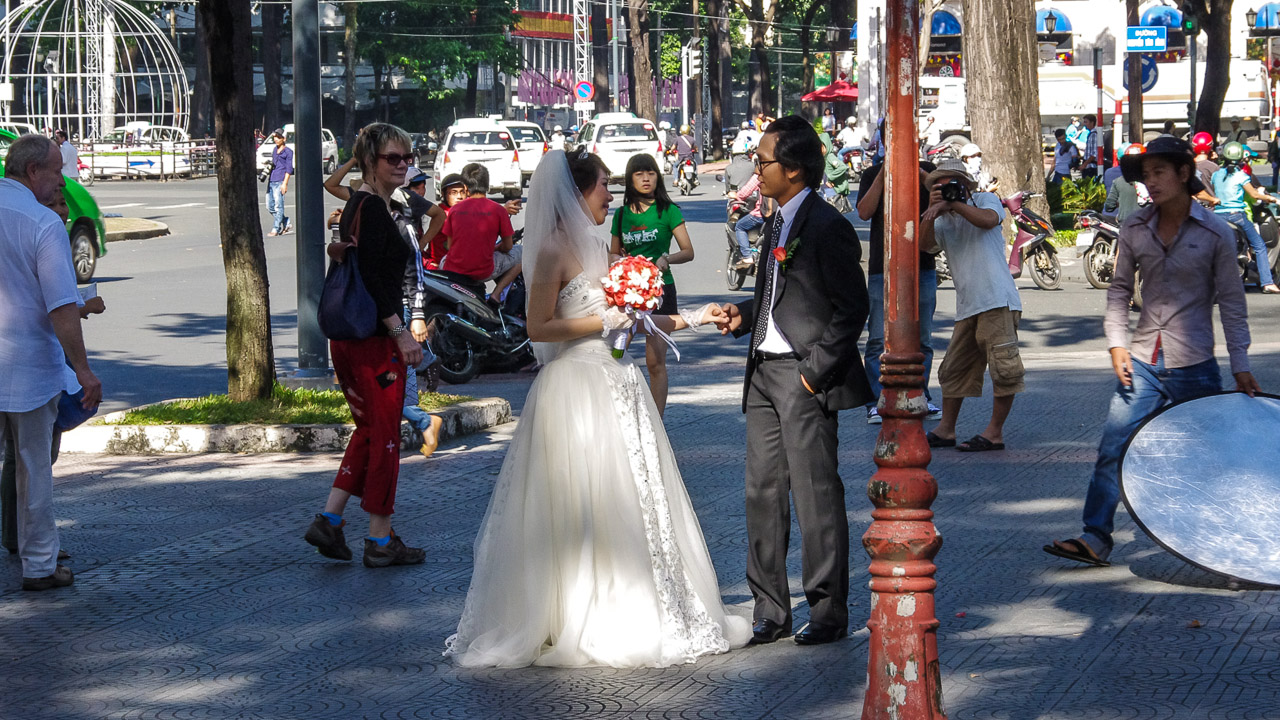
[(396, 331)]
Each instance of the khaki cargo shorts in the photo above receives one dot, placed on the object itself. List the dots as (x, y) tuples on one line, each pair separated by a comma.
[(978, 342)]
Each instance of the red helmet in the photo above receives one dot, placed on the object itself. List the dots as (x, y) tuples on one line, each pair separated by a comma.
[(1135, 149), (1202, 142)]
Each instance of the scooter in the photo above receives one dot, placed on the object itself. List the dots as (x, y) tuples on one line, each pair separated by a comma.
[(687, 179), (1269, 228), (472, 334), (736, 210), (1099, 234), (1032, 245)]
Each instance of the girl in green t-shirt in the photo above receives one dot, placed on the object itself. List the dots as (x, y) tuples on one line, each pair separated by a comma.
[(644, 226)]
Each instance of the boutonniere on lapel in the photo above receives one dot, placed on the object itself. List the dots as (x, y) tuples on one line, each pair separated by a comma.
[(784, 255)]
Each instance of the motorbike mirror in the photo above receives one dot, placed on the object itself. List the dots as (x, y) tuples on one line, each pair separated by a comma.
[(433, 146)]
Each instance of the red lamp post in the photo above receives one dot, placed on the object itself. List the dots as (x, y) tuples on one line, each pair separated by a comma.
[(903, 677)]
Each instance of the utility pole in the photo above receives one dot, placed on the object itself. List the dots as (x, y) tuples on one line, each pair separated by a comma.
[(313, 349), (1135, 79)]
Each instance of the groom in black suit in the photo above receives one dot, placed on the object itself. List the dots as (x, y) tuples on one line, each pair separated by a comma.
[(809, 308)]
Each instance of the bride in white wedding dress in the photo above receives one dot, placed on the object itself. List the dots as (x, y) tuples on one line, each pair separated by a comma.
[(590, 552)]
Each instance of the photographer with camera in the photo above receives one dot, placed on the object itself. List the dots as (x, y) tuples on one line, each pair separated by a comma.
[(966, 224)]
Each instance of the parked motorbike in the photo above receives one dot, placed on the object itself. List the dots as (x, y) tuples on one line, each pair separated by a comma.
[(1032, 244), (85, 172), (1264, 217), (472, 334), (1099, 234)]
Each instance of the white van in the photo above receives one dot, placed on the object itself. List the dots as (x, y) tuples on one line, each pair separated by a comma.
[(615, 137), (483, 141), (531, 142)]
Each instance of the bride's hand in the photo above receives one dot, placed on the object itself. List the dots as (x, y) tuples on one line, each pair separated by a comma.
[(713, 313), (614, 319)]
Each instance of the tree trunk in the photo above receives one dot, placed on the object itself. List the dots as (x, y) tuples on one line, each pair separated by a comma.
[(1003, 92), (807, 82), (473, 92), (349, 75), (761, 83), (642, 71), (250, 361), (272, 18), (723, 51), (600, 55), (927, 8), (714, 77), (1216, 24), (201, 109)]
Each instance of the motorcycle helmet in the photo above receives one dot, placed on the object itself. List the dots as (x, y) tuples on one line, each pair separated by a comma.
[(1233, 153), (664, 125), (559, 129), (1134, 149), (684, 129), (1202, 142), (746, 124), (851, 121)]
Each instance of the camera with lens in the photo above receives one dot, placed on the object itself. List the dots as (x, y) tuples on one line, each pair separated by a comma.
[(264, 172), (953, 190)]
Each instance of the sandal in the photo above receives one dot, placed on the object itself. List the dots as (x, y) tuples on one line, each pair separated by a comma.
[(1076, 549), (977, 443), (939, 442)]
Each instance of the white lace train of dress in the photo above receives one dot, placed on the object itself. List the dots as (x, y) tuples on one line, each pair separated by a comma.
[(590, 552)]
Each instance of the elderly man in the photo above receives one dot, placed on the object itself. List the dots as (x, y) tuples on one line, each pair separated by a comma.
[(39, 334)]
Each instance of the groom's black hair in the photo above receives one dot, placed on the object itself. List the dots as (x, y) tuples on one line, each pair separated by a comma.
[(641, 162), (798, 148)]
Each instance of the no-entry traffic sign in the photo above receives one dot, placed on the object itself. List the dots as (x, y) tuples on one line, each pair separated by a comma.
[(584, 90)]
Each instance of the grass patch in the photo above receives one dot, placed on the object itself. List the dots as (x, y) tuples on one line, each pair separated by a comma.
[(284, 407), (1064, 238)]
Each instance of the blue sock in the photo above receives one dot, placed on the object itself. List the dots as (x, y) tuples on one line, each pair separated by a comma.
[(382, 541), (333, 519)]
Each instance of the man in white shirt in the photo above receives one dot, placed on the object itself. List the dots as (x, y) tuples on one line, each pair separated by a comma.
[(39, 337), (966, 224), (851, 137), (70, 158)]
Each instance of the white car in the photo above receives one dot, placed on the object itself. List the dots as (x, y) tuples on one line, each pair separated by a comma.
[(615, 137), (483, 141), (328, 149), (531, 142)]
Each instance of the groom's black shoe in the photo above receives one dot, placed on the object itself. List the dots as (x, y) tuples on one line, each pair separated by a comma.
[(819, 634), (767, 631)]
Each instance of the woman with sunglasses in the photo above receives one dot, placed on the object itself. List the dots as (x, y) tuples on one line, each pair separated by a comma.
[(372, 371)]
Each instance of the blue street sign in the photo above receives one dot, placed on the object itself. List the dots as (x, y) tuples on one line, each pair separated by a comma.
[(1149, 73), (1144, 38)]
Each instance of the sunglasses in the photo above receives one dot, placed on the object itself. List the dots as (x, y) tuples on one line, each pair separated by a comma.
[(394, 159)]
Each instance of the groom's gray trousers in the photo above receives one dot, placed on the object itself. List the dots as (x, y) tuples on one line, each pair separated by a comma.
[(791, 453)]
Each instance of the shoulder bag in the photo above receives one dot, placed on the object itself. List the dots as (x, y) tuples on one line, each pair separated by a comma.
[(347, 310)]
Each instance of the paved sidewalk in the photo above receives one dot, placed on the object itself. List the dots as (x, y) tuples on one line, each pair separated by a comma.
[(196, 597)]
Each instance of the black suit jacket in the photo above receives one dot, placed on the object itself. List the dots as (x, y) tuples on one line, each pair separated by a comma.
[(820, 305)]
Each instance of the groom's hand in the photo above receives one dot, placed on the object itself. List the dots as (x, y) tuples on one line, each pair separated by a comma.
[(734, 319)]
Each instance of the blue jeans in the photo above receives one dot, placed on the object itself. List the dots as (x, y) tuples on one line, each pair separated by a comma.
[(842, 152), (1255, 242), (275, 206), (416, 416), (875, 328), (740, 230), (1154, 386)]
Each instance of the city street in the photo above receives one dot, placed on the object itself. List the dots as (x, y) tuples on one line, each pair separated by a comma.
[(196, 597)]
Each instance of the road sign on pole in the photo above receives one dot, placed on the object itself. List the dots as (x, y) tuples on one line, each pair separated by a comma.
[(1144, 39), (1149, 72), (584, 91)]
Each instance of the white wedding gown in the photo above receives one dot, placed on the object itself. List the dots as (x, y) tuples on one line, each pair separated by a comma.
[(590, 552)]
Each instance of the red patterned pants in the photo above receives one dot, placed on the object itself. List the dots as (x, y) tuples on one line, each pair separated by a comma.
[(372, 377)]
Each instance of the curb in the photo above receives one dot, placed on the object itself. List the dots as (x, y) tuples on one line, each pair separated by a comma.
[(459, 420), (139, 229)]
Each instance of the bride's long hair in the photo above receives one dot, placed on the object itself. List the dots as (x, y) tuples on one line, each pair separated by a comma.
[(559, 230)]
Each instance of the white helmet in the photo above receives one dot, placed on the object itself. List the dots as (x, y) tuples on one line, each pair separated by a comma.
[(746, 125), (969, 150), (851, 121), (559, 129), (664, 125)]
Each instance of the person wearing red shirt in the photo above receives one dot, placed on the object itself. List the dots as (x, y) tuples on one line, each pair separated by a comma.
[(452, 191), (473, 226)]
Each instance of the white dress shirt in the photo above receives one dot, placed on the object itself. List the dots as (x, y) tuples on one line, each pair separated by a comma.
[(36, 277), (773, 341)]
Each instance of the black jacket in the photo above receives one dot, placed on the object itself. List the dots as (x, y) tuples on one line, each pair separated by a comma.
[(820, 305)]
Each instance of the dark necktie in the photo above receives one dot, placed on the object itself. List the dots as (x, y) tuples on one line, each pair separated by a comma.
[(766, 301)]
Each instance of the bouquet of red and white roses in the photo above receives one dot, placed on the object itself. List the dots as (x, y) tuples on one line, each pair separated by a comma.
[(634, 285)]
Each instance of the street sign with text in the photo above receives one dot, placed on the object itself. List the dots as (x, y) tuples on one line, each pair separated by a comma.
[(1143, 38)]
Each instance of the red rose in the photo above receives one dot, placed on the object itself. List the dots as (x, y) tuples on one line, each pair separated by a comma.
[(780, 254)]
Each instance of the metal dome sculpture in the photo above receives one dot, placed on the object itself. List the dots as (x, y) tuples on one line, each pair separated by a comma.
[(88, 66)]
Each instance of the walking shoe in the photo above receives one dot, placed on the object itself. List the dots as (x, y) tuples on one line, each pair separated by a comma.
[(746, 262), (935, 412), (328, 538), (273, 233), (394, 552), (61, 577), (288, 228), (873, 416)]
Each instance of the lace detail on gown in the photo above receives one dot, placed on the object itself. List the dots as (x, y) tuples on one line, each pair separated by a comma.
[(688, 629)]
